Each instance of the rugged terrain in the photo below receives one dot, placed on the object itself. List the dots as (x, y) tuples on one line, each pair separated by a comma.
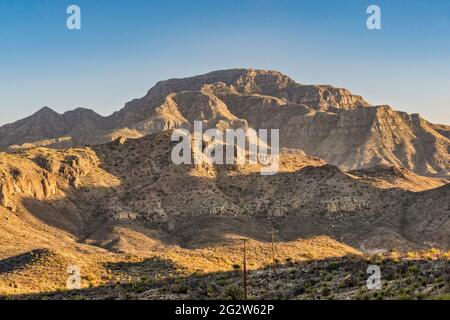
[(327, 122), (108, 207), (102, 193)]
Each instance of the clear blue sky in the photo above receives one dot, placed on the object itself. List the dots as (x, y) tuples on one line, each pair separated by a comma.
[(124, 47)]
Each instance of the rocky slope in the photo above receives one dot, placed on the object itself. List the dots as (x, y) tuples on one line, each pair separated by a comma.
[(326, 122), (134, 185), (125, 213)]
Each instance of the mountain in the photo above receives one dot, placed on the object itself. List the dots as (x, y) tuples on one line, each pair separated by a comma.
[(130, 218), (323, 121), (47, 124), (136, 183)]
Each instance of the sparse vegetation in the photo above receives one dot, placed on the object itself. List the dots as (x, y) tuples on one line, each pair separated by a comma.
[(121, 212)]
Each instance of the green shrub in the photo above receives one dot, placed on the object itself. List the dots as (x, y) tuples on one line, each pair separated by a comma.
[(233, 292)]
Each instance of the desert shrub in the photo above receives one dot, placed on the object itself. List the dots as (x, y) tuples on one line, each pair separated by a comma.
[(413, 269), (223, 282), (236, 266), (326, 292), (182, 289), (233, 292), (299, 291), (377, 295)]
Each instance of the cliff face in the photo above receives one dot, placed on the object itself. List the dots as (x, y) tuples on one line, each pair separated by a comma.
[(327, 122), (43, 174), (20, 178), (369, 137), (245, 83)]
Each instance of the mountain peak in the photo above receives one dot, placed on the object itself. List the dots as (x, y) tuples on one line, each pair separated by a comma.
[(80, 111), (45, 111), (260, 82)]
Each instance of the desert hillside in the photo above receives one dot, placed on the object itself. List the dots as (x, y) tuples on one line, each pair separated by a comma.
[(109, 207), (135, 182), (356, 182), (323, 121)]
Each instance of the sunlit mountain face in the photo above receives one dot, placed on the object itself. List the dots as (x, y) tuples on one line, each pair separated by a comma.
[(222, 178)]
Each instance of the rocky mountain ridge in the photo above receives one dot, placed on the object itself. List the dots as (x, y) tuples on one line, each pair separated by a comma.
[(323, 121)]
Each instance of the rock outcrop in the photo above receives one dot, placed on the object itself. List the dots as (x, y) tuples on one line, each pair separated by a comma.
[(42, 174)]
